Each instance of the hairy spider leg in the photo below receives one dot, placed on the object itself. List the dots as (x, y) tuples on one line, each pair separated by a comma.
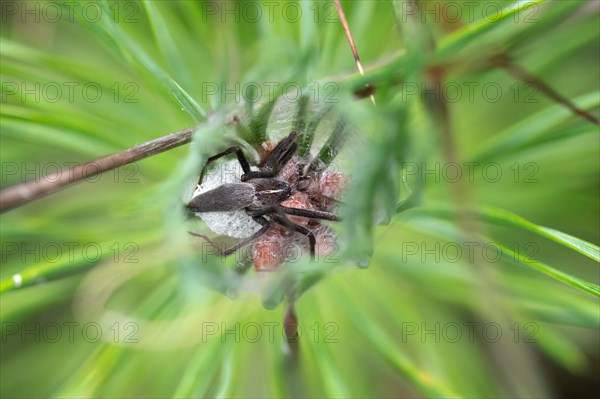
[(308, 213), (282, 152), (288, 224), (240, 156), (278, 216), (277, 159), (259, 219)]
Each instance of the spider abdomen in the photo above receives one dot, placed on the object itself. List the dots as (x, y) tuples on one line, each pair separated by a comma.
[(224, 198)]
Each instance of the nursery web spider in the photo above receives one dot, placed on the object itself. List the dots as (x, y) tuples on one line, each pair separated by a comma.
[(260, 194)]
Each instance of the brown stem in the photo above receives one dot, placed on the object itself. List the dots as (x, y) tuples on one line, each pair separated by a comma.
[(503, 61), (459, 191), (346, 27), (22, 193)]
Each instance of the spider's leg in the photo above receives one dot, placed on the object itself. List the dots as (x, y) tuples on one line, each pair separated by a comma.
[(252, 211), (265, 227), (310, 213), (277, 159), (337, 201), (277, 213), (208, 240), (240, 156), (288, 224), (226, 252), (283, 152)]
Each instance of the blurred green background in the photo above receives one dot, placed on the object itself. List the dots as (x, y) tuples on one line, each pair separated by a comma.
[(483, 279)]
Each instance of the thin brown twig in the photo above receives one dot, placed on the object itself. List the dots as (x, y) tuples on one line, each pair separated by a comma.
[(503, 61), (346, 27), (22, 193)]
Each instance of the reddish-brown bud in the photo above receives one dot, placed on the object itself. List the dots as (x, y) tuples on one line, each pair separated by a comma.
[(268, 252), (298, 200)]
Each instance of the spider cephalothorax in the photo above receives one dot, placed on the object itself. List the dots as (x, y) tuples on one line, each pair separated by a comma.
[(280, 196)]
